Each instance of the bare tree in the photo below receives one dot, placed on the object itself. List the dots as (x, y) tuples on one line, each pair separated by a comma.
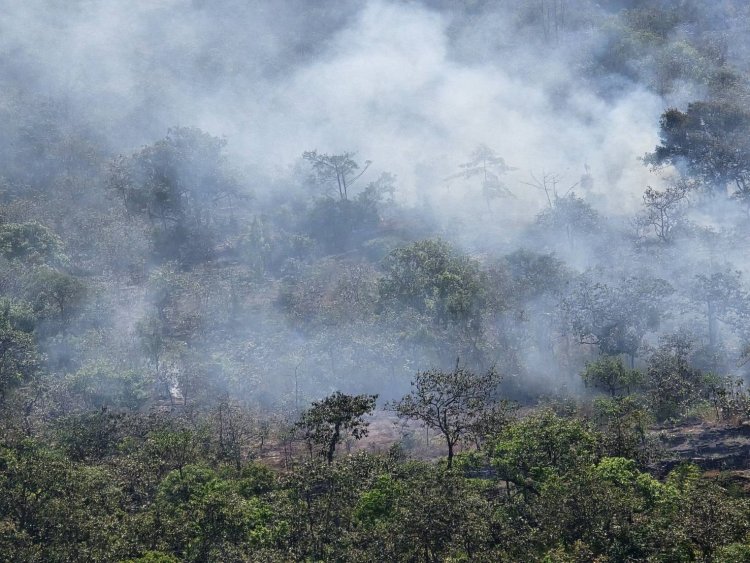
[(664, 210), (457, 403)]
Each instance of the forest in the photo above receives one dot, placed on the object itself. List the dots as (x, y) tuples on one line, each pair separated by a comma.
[(375, 280)]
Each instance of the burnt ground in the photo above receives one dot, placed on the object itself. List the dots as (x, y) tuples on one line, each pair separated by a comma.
[(714, 447)]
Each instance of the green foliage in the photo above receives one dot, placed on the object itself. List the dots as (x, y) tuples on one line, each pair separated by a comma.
[(378, 502), (41, 490), (255, 479), (342, 225), (91, 435), (729, 397), (19, 360), (17, 315), (56, 295), (707, 142), (733, 553), (31, 243), (153, 557), (672, 384), (615, 318), (176, 183), (172, 446), (203, 517), (432, 278), (534, 275), (710, 519), (542, 446), (624, 423), (609, 374), (326, 422), (102, 385)]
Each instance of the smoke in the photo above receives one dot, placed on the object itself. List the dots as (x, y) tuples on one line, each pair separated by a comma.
[(394, 81), (413, 86)]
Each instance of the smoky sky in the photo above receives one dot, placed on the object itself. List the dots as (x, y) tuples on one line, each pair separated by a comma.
[(412, 86)]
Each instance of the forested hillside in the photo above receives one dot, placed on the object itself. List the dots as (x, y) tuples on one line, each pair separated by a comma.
[(375, 281)]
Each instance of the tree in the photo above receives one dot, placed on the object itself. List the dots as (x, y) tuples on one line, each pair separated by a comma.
[(615, 319), (31, 242), (338, 170), (672, 384), (664, 210), (19, 361), (624, 423), (203, 517), (326, 421), (489, 166), (339, 225), (711, 518), (56, 294), (432, 278), (100, 384), (724, 297), (177, 184), (707, 142), (538, 447), (453, 402), (571, 216), (610, 375)]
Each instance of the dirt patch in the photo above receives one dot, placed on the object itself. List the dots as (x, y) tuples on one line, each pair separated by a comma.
[(711, 446)]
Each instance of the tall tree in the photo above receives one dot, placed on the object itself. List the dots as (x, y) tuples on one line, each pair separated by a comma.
[(454, 402), (432, 278), (486, 164), (177, 183), (338, 170)]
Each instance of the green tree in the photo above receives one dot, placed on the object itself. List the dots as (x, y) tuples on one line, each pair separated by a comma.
[(100, 385), (672, 384), (56, 294), (624, 423), (712, 518), (615, 318), (543, 445), (432, 278), (177, 184), (204, 518), (326, 422), (707, 142), (31, 242), (609, 374), (19, 360)]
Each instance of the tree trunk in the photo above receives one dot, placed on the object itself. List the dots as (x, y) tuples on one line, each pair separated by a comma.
[(332, 444)]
